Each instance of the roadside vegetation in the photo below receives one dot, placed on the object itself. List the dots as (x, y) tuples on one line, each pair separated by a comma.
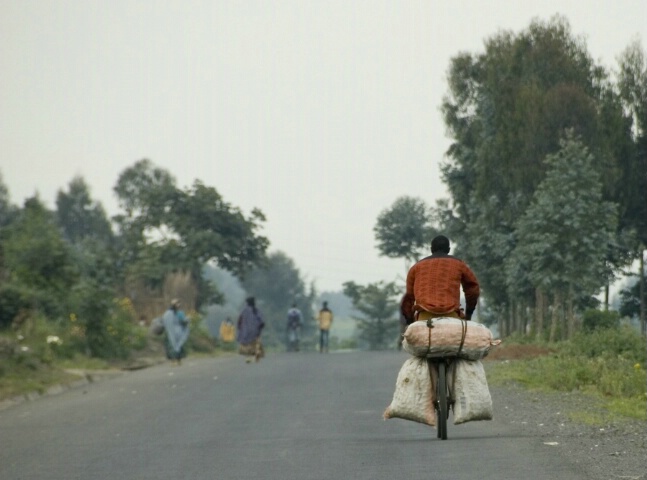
[(46, 354), (608, 363)]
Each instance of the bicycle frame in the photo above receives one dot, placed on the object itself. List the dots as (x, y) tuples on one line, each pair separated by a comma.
[(443, 394)]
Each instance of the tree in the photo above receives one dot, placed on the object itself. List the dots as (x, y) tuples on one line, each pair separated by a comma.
[(379, 327), (79, 216), (630, 301), (276, 285), (506, 110), (632, 83), (564, 233), (404, 229), (166, 229), (7, 210), (37, 259)]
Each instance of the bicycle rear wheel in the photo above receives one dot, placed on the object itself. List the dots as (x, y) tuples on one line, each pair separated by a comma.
[(441, 401)]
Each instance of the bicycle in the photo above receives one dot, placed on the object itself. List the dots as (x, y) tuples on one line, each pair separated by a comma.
[(444, 400)]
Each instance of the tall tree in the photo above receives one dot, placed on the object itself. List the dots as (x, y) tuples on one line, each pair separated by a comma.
[(166, 229), (564, 233), (7, 210), (379, 327), (506, 110), (79, 216), (38, 259), (404, 229), (632, 82)]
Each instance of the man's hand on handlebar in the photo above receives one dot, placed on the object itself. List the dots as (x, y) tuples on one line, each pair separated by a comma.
[(462, 314)]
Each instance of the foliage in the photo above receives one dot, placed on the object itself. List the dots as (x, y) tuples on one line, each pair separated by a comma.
[(632, 83), (80, 217), (594, 319), (166, 229), (506, 110), (608, 362), (35, 253), (102, 326), (608, 343), (564, 233), (11, 302), (7, 210), (37, 265), (404, 229), (377, 302), (200, 340), (630, 301)]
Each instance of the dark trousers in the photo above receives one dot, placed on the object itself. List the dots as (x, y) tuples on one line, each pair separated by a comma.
[(323, 340)]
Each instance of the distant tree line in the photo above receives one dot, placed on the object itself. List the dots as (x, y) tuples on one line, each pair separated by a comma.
[(74, 262), (547, 177)]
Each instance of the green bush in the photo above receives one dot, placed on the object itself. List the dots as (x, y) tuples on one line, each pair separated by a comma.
[(12, 300), (102, 326), (200, 340), (610, 362), (15, 297), (594, 319), (624, 342)]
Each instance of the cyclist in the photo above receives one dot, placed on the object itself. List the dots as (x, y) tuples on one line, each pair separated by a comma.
[(434, 284), (295, 322)]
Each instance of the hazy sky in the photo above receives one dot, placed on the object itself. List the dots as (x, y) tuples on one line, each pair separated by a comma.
[(320, 113)]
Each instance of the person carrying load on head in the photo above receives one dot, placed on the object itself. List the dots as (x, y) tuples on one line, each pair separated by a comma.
[(434, 286)]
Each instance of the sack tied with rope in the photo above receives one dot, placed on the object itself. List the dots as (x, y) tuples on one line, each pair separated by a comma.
[(448, 337)]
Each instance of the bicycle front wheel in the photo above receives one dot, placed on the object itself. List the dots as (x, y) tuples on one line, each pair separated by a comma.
[(441, 401)]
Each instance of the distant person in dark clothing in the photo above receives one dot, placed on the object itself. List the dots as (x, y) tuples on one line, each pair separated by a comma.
[(250, 326)]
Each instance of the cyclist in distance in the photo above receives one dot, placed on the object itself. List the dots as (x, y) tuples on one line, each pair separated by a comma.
[(434, 284)]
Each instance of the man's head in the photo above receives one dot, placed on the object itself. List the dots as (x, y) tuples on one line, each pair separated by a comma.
[(325, 304), (440, 244), (175, 304), (251, 301)]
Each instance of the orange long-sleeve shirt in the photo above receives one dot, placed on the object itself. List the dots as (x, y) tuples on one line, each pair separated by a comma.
[(434, 283)]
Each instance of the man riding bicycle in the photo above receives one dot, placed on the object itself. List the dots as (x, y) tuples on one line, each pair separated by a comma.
[(434, 283)]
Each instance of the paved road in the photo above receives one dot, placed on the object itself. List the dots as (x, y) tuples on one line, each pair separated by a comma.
[(293, 416)]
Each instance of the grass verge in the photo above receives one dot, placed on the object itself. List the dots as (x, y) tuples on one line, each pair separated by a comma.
[(616, 381)]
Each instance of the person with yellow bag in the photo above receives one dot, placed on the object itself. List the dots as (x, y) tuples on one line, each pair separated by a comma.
[(324, 318), (227, 331)]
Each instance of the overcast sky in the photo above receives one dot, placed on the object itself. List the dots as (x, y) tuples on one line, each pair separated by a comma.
[(320, 113)]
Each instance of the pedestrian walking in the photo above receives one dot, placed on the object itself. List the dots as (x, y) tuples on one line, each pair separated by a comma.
[(325, 319), (176, 328), (250, 326)]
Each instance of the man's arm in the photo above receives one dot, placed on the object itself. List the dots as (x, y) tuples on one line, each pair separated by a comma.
[(408, 300), (472, 291)]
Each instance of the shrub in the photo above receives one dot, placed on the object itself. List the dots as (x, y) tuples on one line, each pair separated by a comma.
[(200, 340), (623, 342), (12, 300), (594, 319), (102, 326)]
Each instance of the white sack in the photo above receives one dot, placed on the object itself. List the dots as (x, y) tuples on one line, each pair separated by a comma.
[(470, 392), (413, 398), (444, 339)]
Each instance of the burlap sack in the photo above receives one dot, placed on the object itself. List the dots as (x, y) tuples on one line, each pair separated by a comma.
[(444, 339), (470, 391), (414, 394)]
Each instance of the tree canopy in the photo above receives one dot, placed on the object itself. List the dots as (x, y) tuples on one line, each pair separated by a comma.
[(508, 110)]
